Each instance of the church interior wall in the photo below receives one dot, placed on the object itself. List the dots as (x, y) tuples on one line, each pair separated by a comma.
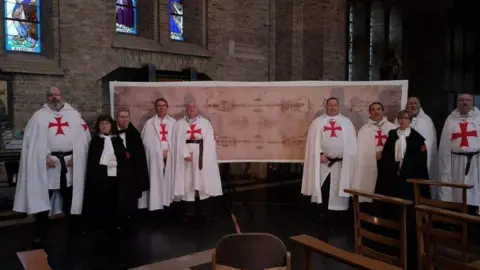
[(229, 40)]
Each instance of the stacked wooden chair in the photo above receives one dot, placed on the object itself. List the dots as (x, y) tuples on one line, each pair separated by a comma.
[(365, 257), (442, 229)]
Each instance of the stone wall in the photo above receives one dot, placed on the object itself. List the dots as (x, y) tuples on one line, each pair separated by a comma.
[(228, 40)]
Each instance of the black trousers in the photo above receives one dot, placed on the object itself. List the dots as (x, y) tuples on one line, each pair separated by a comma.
[(198, 207), (42, 218)]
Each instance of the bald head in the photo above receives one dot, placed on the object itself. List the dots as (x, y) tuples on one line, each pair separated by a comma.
[(55, 98), (191, 108), (413, 106), (464, 103)]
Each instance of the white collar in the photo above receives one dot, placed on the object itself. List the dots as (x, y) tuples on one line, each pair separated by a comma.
[(401, 143)]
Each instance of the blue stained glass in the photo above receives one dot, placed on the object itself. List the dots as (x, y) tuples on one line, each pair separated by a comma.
[(126, 11), (23, 26), (176, 20), (176, 7)]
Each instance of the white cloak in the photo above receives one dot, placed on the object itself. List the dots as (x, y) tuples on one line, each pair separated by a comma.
[(315, 173), (424, 125), (369, 143), (161, 185), (32, 191), (208, 182), (452, 166)]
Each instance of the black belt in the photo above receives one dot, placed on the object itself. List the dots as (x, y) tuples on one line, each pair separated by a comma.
[(333, 161), (469, 159), (200, 157), (63, 167)]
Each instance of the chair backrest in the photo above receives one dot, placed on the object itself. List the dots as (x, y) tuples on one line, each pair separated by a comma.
[(362, 234), (252, 251), (444, 249), (454, 206), (457, 230)]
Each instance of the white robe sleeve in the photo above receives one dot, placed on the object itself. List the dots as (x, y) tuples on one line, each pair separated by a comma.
[(348, 162), (445, 163), (31, 193), (213, 183), (178, 159), (311, 166), (431, 143), (365, 160), (80, 150)]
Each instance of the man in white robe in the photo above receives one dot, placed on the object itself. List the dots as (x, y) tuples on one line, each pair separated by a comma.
[(52, 165), (157, 136), (422, 123), (329, 159), (371, 139), (459, 159), (194, 156)]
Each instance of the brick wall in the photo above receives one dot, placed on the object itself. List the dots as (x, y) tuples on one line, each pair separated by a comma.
[(310, 40), (234, 40)]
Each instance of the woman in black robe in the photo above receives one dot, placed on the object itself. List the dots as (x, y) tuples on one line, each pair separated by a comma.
[(105, 170), (404, 156)]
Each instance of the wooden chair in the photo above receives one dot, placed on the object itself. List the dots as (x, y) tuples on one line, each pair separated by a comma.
[(251, 251), (462, 228), (361, 233), (314, 245), (464, 256)]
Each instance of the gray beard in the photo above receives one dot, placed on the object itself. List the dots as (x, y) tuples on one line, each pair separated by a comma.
[(56, 105)]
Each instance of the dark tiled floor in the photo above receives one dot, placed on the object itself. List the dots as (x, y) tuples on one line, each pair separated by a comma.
[(159, 236)]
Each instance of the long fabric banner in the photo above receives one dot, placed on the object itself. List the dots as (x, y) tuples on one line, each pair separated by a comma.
[(259, 121)]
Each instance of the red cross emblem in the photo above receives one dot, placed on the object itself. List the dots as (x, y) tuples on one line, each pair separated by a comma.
[(194, 131), (58, 124), (332, 128), (163, 132), (464, 134), (380, 137), (85, 126)]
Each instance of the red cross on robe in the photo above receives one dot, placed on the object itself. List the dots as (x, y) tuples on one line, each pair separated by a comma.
[(332, 128), (59, 125), (464, 134), (380, 138), (163, 132), (85, 126), (192, 131)]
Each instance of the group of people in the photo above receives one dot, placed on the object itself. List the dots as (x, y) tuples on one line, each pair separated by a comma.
[(104, 179), (99, 181), (384, 155)]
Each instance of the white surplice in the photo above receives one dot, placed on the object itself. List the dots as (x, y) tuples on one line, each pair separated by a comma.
[(157, 136), (460, 135), (334, 136), (370, 140), (51, 131), (187, 176)]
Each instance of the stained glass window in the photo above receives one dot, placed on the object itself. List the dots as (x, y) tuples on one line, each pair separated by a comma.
[(127, 16), (176, 20), (22, 26)]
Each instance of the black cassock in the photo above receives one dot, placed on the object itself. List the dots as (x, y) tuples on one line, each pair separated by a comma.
[(102, 198), (137, 175), (392, 181)]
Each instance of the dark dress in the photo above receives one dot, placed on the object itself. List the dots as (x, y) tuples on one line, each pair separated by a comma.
[(137, 179), (393, 182), (102, 197)]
